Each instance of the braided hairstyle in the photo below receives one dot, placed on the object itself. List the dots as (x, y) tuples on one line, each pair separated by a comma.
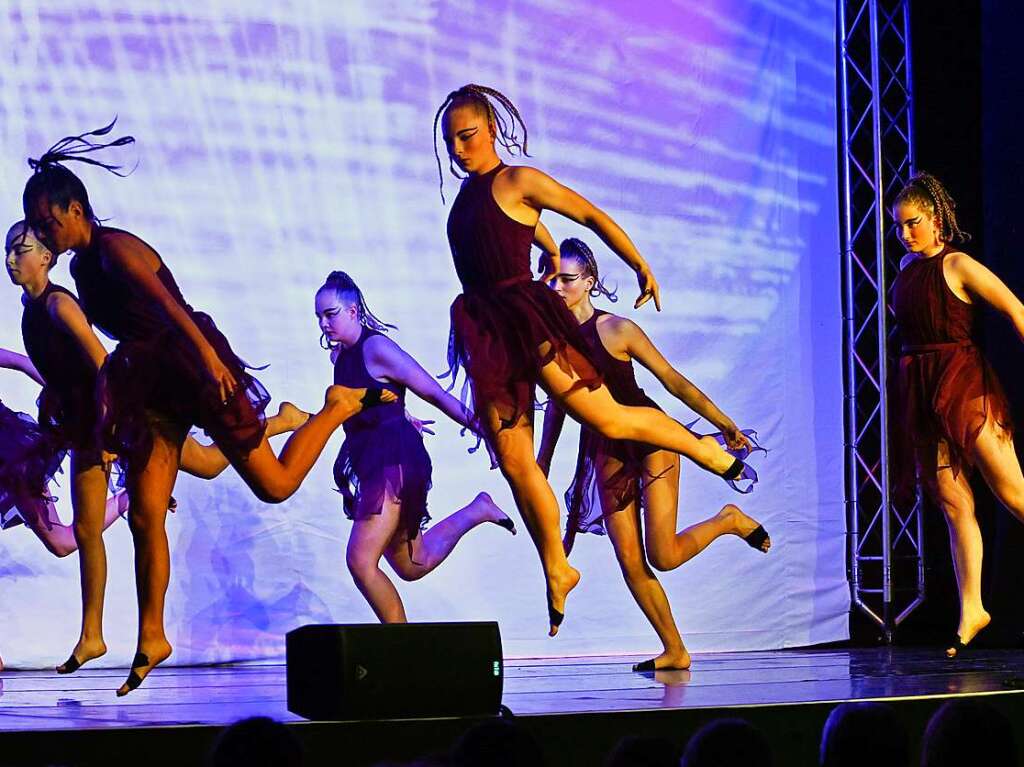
[(19, 232), (347, 290), (51, 178), (502, 118), (580, 252), (927, 192)]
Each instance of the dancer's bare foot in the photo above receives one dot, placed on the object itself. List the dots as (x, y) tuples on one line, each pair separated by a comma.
[(489, 511), (558, 589), (85, 651), (741, 525), (291, 417), (676, 660), (146, 659), (971, 624), (346, 402)]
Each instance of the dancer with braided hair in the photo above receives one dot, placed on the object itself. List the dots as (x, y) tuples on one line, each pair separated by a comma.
[(953, 414), (511, 333), (383, 470), (628, 476), (172, 368), (66, 355)]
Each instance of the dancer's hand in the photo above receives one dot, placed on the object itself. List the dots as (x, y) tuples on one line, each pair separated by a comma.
[(107, 459), (648, 289), (734, 438), (420, 426), (219, 375)]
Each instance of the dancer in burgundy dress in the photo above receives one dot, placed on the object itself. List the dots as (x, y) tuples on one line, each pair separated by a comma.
[(172, 368), (510, 332), (951, 412), (628, 476), (383, 470), (66, 354)]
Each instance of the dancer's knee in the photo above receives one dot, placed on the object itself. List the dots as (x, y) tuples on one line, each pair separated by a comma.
[(661, 559), (273, 490), (87, 529), (1013, 500), (408, 571), (631, 562), (360, 566)]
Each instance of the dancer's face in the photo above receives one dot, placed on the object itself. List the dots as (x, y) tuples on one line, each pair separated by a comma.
[(918, 229), (571, 283), (57, 228), (338, 318), (468, 137), (27, 258)]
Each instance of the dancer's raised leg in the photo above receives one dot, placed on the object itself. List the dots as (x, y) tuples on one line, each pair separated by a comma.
[(432, 547), (667, 549)]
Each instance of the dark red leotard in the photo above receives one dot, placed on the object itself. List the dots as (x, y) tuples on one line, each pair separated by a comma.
[(945, 389), (155, 378), (67, 405), (383, 455), (505, 325), (585, 514)]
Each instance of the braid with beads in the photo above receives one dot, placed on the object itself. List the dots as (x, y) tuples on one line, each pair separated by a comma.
[(581, 252), (501, 113), (926, 191), (347, 289)]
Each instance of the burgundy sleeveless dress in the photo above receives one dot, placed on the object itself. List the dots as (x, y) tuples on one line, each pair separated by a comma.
[(945, 389), (383, 454), (155, 377), (585, 514), (67, 404), (505, 325), (28, 461)]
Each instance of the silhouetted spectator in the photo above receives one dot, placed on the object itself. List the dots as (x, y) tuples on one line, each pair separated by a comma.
[(727, 743), (638, 751), (497, 743), (256, 742), (857, 734), (968, 732)]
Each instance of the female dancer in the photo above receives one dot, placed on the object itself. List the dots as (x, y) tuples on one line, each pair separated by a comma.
[(511, 333), (172, 368), (629, 475), (383, 470), (64, 350), (954, 414)]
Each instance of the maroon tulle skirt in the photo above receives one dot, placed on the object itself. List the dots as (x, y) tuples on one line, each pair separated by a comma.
[(160, 382), (623, 487), (69, 416), (29, 458), (945, 392), (503, 337), (381, 461)]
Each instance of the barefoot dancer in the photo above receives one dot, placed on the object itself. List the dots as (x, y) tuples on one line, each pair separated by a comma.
[(953, 412), (172, 368), (629, 476), (67, 355), (383, 470), (511, 333)]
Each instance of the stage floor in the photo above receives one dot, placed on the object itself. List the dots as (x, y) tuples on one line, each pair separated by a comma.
[(38, 701)]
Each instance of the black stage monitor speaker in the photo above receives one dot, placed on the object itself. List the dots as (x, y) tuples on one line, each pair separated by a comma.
[(394, 671)]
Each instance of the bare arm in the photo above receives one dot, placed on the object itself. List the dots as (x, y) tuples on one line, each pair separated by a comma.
[(15, 361), (978, 280), (554, 419), (637, 345), (66, 313), (138, 263), (386, 359), (550, 259), (542, 192)]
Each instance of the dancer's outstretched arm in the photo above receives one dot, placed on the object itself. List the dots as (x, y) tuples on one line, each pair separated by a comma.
[(626, 335), (386, 359), (975, 279), (15, 361), (136, 262), (541, 192)]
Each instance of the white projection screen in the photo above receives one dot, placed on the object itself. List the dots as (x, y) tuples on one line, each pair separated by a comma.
[(278, 141)]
